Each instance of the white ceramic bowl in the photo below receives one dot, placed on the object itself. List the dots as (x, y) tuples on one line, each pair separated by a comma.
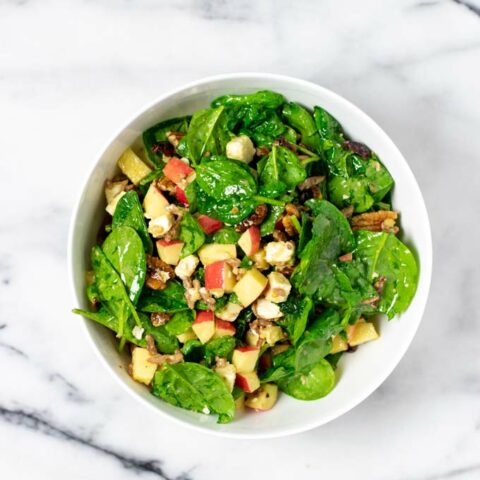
[(358, 374)]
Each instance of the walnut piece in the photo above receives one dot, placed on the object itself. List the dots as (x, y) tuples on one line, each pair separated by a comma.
[(381, 221), (159, 318), (256, 218), (158, 273), (160, 359)]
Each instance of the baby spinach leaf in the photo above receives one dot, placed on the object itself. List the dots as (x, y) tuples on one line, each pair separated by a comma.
[(158, 133), (165, 341), (207, 133), (223, 177), (316, 342), (180, 322), (332, 236), (313, 383), (263, 98), (296, 312), (194, 387), (193, 350), (124, 250), (219, 347), (268, 225), (354, 180), (191, 234), (170, 300), (263, 126), (129, 213), (225, 235), (111, 289), (302, 121), (386, 256), (281, 166), (327, 126)]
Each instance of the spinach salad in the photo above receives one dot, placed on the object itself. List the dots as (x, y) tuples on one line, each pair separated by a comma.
[(247, 248)]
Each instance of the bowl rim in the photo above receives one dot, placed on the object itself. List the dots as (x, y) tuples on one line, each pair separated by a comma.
[(426, 264)]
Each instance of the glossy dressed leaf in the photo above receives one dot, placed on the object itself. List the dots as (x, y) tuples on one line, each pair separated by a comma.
[(191, 234), (301, 120), (281, 166), (124, 250), (207, 133), (263, 98), (158, 133), (169, 300), (129, 213), (295, 319), (180, 322), (219, 347), (313, 383), (225, 235), (386, 256), (268, 225), (222, 178), (328, 127), (332, 237), (194, 387)]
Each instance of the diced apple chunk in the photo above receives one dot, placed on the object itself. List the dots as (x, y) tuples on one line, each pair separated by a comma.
[(186, 336), (112, 189), (132, 166), (154, 203), (239, 400), (219, 277), (112, 206), (142, 370), (229, 312), (204, 326), (177, 170), (247, 381), (160, 225), (361, 332), (252, 338), (228, 373), (209, 225), (223, 328), (260, 261), (245, 358), (180, 196), (169, 251), (338, 344), (250, 286), (272, 334), (278, 287), (249, 242), (264, 398), (213, 252)]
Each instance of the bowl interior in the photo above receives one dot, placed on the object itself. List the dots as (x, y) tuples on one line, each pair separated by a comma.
[(359, 374)]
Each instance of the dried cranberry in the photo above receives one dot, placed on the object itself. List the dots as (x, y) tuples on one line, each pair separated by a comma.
[(358, 148)]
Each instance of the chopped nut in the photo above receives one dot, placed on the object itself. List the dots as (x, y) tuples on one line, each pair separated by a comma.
[(158, 273), (292, 209), (347, 211), (165, 148), (160, 359), (289, 227), (381, 221), (175, 137), (159, 318), (256, 218), (192, 292), (379, 284), (262, 151), (311, 182), (152, 349), (286, 270), (279, 236), (166, 185), (206, 296)]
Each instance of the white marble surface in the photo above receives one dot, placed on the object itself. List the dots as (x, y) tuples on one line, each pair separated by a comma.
[(72, 72)]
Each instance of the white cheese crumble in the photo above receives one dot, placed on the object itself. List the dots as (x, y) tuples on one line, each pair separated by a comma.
[(279, 253), (240, 148), (186, 266), (137, 332), (160, 225)]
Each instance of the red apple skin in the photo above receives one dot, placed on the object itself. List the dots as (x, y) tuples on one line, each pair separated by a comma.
[(180, 196), (224, 328), (242, 381), (218, 276), (204, 316), (176, 170), (247, 348), (208, 224), (166, 243), (251, 240)]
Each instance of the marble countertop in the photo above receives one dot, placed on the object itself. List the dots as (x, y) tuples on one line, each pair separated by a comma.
[(73, 72)]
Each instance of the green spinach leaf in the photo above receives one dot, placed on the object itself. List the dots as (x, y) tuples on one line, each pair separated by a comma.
[(225, 235), (263, 98), (169, 300), (302, 121), (219, 347), (194, 387), (180, 322), (387, 257), (191, 234), (124, 250), (129, 213)]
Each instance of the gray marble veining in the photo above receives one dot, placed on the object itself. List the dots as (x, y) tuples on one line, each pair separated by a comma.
[(73, 72)]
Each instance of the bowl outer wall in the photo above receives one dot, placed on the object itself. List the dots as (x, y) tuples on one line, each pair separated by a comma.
[(357, 375)]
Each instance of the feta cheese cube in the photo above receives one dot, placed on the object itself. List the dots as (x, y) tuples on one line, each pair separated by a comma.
[(278, 288), (137, 332), (159, 226), (279, 253), (186, 266), (240, 148), (266, 309)]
